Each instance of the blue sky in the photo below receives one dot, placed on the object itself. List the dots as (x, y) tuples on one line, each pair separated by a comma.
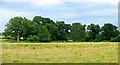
[(83, 11)]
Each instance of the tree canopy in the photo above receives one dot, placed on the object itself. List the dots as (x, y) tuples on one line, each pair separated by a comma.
[(15, 27), (93, 31), (78, 32), (42, 29), (109, 31)]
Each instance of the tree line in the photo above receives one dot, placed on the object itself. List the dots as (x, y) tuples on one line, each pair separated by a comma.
[(42, 29)]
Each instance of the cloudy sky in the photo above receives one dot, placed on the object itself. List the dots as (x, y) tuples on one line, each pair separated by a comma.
[(83, 11)]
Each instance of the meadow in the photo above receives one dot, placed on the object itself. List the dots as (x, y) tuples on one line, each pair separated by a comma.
[(59, 52), (66, 52)]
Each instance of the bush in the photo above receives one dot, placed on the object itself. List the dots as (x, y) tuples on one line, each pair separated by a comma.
[(43, 34), (115, 39), (33, 38), (98, 38), (7, 38), (105, 41)]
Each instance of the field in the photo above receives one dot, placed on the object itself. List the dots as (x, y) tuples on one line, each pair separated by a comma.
[(59, 52), (66, 52)]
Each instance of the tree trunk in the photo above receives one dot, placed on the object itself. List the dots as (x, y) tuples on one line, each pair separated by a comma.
[(18, 37)]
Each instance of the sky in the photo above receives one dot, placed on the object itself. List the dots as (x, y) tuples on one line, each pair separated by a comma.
[(70, 11)]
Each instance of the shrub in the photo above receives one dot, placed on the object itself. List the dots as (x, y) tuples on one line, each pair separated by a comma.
[(7, 38), (105, 41), (98, 38), (115, 39), (43, 34), (33, 38)]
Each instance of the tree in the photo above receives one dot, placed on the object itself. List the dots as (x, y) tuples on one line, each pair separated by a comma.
[(27, 28), (61, 27), (115, 39), (44, 30), (87, 36), (67, 30), (4, 34), (78, 32), (98, 38), (15, 27), (41, 20), (43, 34), (53, 30), (93, 31), (109, 31)]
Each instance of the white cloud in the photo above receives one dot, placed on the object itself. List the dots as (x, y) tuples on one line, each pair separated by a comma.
[(45, 3), (38, 2), (68, 15), (105, 12), (55, 2), (6, 15), (18, 0), (61, 15), (115, 2)]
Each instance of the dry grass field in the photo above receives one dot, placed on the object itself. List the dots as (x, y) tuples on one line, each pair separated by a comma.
[(76, 52)]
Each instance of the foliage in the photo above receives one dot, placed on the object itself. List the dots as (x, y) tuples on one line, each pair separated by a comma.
[(33, 38), (93, 31), (115, 39), (14, 27), (43, 34), (62, 29), (105, 41), (42, 20), (78, 32), (98, 38), (53, 30), (109, 31), (4, 34), (27, 28), (44, 29)]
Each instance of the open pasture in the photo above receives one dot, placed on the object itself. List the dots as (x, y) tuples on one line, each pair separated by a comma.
[(79, 52)]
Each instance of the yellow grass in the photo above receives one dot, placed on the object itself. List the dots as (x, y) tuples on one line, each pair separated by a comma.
[(77, 52)]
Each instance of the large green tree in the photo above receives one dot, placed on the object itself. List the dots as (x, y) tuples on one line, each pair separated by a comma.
[(15, 27), (63, 29), (43, 34), (109, 31), (27, 28), (42, 20), (78, 32), (53, 30), (93, 31)]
